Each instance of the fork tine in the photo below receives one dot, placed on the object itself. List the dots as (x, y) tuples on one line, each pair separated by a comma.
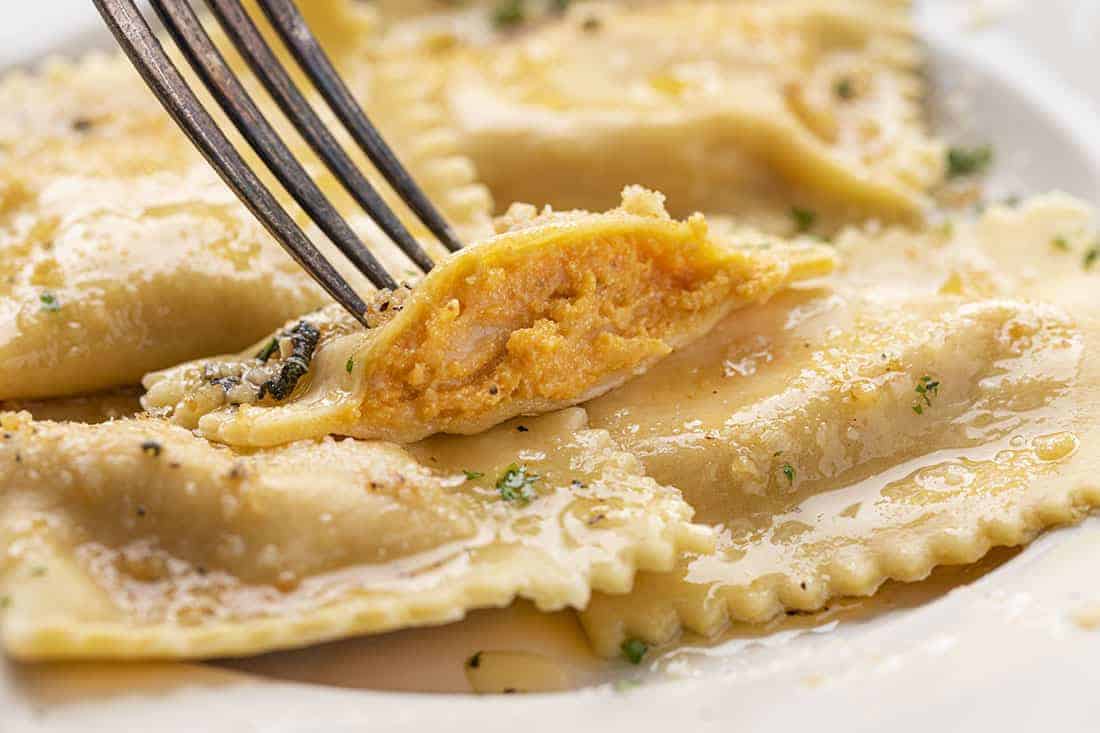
[(148, 57), (292, 28), (208, 63), (240, 28)]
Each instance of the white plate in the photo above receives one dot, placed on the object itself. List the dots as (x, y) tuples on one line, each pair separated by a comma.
[(1008, 650)]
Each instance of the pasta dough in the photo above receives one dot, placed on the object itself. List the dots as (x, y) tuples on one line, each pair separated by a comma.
[(851, 439), (136, 539), (119, 245), (552, 312), (733, 107)]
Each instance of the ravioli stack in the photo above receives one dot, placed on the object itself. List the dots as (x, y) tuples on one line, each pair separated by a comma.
[(665, 423)]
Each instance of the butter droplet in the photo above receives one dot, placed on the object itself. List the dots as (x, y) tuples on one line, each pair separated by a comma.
[(1055, 446)]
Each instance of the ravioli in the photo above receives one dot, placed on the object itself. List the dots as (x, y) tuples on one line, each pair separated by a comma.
[(553, 311), (120, 246), (310, 541), (843, 436), (749, 108)]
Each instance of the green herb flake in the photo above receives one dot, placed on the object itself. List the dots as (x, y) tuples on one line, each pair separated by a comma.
[(266, 352), (804, 219), (473, 475), (349, 365), (1061, 243), (151, 448), (509, 13), (963, 162), (475, 661), (844, 88), (788, 471), (50, 303), (634, 650), (926, 389), (517, 484), (1091, 256), (5, 602)]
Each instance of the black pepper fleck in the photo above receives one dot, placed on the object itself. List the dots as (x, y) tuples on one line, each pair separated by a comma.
[(522, 428), (151, 448)]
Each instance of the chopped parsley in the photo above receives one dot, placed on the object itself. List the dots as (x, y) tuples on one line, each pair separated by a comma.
[(804, 219), (151, 448), (1061, 243), (473, 475), (591, 24), (963, 162), (844, 88), (49, 302), (349, 365), (509, 13), (1091, 256), (517, 484), (634, 650), (926, 389), (267, 351), (788, 471)]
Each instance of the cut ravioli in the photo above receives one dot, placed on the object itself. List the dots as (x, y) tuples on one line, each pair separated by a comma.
[(554, 311), (732, 107), (857, 439), (137, 539), (122, 251)]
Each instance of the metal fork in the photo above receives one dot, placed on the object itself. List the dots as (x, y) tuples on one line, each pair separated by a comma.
[(148, 56)]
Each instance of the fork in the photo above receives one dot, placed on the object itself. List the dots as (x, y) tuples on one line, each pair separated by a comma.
[(145, 51)]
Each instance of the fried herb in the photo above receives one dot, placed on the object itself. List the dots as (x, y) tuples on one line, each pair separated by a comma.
[(151, 448), (473, 475), (517, 484), (788, 471), (49, 302), (926, 389), (303, 338), (804, 219), (267, 351), (634, 650), (963, 162)]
